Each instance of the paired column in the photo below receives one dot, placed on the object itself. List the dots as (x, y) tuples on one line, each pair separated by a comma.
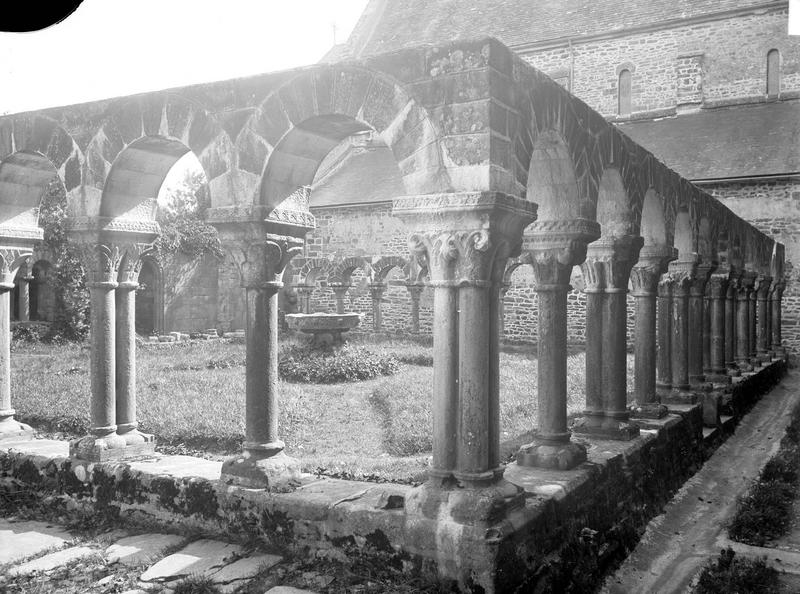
[(698, 330), (744, 289), (556, 246), (263, 462), (716, 293), (607, 270), (415, 293), (24, 300), (682, 272), (645, 277), (10, 261), (340, 290), (734, 280), (376, 291), (776, 296), (763, 330)]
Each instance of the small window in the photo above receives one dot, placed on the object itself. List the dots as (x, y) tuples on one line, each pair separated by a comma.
[(773, 72), (624, 93)]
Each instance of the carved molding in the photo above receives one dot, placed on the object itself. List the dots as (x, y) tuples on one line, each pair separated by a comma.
[(609, 262), (265, 262), (763, 287), (717, 285), (131, 263)]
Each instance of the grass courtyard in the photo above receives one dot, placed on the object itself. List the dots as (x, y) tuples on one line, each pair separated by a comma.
[(192, 397)]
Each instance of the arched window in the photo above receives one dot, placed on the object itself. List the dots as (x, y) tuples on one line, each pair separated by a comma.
[(773, 72), (624, 93)]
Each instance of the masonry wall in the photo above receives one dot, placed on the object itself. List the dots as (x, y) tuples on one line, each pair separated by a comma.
[(718, 60), (774, 208)]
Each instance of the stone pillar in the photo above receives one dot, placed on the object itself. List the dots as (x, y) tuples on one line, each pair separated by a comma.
[(24, 301), (744, 289), (340, 290), (664, 337), (683, 272), (644, 279), (304, 292), (501, 310), (10, 261), (697, 325), (776, 296), (555, 248), (464, 240), (752, 306), (415, 292), (102, 443), (376, 291), (716, 292), (263, 464), (730, 324), (607, 269), (763, 328), (125, 362)]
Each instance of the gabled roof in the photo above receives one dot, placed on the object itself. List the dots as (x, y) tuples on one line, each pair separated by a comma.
[(388, 25), (741, 141)]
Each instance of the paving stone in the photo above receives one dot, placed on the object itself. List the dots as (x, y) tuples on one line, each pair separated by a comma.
[(199, 557), (244, 569), (287, 590), (52, 561), (134, 550), (23, 539)]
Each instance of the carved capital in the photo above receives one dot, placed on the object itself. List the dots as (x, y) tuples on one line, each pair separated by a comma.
[(11, 259), (665, 285), (702, 274), (415, 290), (102, 263), (646, 273), (763, 286), (265, 262), (376, 291), (461, 256), (557, 246), (609, 261), (717, 285), (683, 272), (131, 263), (339, 289), (776, 291)]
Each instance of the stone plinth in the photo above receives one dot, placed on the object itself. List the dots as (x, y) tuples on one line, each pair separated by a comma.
[(326, 329)]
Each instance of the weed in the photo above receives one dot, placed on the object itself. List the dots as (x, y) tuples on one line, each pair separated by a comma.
[(731, 574)]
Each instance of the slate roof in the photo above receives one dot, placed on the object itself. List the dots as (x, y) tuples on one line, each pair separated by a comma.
[(388, 25), (364, 176), (740, 141)]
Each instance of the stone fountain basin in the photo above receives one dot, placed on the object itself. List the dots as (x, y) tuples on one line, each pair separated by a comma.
[(323, 322)]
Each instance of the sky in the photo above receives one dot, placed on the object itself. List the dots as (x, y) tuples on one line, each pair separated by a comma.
[(109, 48)]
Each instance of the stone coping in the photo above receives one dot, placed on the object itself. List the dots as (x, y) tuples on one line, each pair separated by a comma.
[(621, 482)]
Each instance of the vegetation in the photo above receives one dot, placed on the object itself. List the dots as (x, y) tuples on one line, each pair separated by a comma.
[(764, 512), (332, 365), (729, 574)]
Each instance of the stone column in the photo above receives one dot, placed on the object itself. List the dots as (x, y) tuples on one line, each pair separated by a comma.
[(644, 279), (10, 261), (683, 272), (744, 289), (376, 291), (610, 261), (304, 292), (263, 464), (752, 306), (415, 293), (340, 290), (716, 291), (125, 362), (556, 246), (730, 324), (664, 337), (24, 301), (501, 310), (763, 328), (102, 443), (776, 296), (697, 291)]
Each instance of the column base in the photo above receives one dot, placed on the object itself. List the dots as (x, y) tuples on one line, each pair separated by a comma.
[(650, 410), (611, 428), (260, 470), (560, 456), (134, 437), (11, 429), (109, 448)]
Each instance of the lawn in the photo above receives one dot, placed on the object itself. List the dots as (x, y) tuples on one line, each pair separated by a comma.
[(191, 396)]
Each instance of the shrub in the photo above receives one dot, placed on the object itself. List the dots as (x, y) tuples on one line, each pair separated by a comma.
[(745, 576), (329, 366), (421, 358), (404, 409), (28, 332)]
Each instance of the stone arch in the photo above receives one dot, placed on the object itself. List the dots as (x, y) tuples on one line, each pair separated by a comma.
[(614, 212), (341, 272), (162, 115), (139, 170), (313, 269), (296, 126), (24, 178), (553, 182), (384, 265), (653, 227), (150, 297)]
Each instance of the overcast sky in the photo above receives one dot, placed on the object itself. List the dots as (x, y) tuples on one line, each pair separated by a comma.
[(109, 48)]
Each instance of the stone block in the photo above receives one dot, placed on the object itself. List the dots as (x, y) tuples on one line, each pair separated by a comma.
[(134, 550), (52, 561), (197, 558), (19, 540)]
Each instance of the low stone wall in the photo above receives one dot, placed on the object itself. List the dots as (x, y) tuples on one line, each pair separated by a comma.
[(570, 526)]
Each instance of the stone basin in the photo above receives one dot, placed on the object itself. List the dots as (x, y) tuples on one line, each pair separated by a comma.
[(326, 328)]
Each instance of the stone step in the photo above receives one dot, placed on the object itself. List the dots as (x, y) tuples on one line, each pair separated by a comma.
[(20, 540)]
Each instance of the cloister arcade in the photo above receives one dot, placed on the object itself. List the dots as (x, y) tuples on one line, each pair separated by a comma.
[(500, 165)]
